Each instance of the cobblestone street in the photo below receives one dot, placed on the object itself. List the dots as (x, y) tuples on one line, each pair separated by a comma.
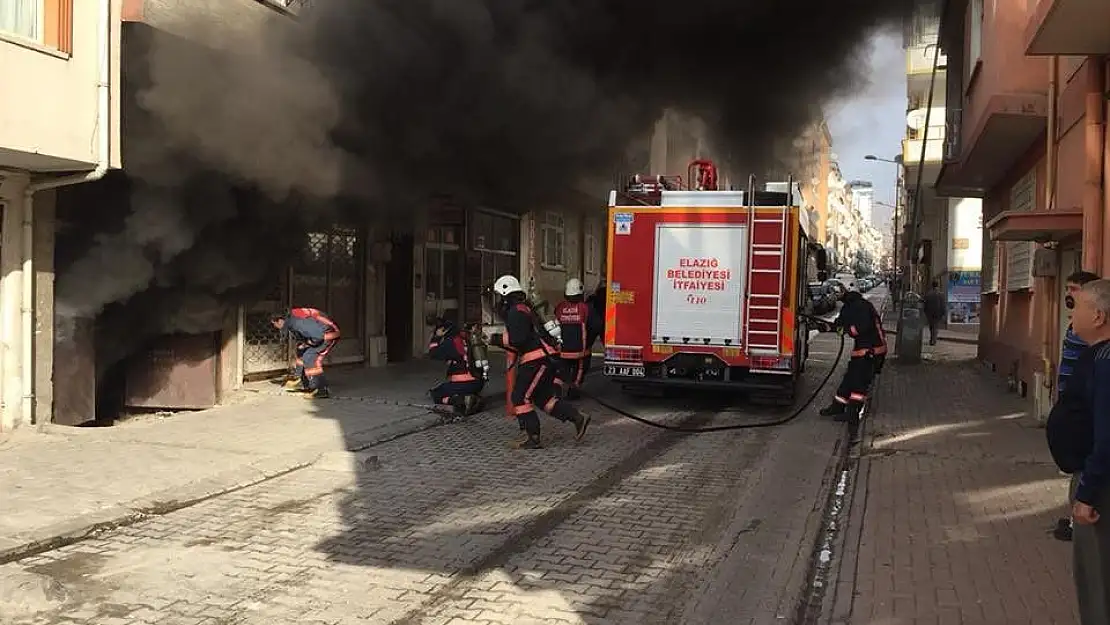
[(448, 526), (953, 507)]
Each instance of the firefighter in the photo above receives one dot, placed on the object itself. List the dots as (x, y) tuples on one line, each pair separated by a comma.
[(594, 330), (574, 318), (315, 335), (465, 378), (530, 353), (859, 320)]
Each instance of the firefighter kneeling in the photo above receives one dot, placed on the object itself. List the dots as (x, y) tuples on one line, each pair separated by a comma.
[(859, 320), (466, 373), (531, 353)]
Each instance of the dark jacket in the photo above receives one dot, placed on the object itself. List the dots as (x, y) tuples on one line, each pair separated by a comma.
[(453, 348), (935, 305), (576, 325), (859, 320), (1078, 428), (521, 339), (310, 326), (1072, 348)]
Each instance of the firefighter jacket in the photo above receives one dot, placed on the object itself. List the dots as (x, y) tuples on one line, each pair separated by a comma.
[(454, 349), (310, 326), (575, 322), (859, 320), (521, 340)]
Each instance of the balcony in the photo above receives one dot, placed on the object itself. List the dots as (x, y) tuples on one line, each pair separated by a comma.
[(1068, 27)]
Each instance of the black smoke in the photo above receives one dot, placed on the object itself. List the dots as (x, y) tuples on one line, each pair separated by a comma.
[(255, 131)]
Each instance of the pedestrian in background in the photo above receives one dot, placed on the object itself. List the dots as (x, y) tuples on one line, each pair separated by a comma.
[(1079, 439), (1072, 347), (936, 307)]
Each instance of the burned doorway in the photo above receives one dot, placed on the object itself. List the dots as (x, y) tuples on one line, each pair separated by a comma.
[(399, 289), (494, 250), (330, 275)]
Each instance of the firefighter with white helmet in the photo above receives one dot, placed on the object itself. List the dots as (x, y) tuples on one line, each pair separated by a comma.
[(531, 352), (576, 326)]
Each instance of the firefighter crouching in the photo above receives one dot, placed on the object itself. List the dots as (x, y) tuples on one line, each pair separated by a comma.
[(859, 320), (315, 335), (466, 370), (533, 357), (577, 329)]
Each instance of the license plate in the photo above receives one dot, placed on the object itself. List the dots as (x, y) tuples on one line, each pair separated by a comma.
[(629, 371)]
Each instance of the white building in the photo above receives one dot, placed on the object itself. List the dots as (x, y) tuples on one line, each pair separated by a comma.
[(863, 198), (58, 127)]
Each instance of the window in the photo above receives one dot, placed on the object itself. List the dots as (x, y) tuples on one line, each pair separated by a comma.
[(47, 22), (554, 240), (592, 254), (1019, 265), (975, 36), (991, 268), (1023, 193)]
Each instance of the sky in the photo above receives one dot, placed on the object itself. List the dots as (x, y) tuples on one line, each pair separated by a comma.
[(874, 122)]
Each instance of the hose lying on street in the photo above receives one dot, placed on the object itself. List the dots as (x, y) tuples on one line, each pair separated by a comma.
[(737, 426)]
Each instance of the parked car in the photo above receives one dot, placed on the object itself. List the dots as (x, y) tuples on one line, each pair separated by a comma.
[(821, 298), (836, 288)]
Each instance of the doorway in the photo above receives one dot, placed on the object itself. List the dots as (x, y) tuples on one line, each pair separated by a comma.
[(398, 296), (443, 268)]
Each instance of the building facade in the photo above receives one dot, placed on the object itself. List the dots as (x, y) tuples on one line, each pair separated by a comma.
[(1030, 80), (58, 127)]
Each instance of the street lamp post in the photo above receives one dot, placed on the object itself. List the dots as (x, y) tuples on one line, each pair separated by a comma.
[(897, 161)]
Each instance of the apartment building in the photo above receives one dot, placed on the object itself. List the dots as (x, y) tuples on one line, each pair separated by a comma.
[(1029, 79), (943, 231), (58, 127)]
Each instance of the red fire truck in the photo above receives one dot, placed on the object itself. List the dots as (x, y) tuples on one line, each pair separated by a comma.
[(707, 287)]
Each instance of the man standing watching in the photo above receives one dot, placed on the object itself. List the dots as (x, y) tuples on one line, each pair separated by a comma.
[(935, 309), (1080, 444), (1069, 354)]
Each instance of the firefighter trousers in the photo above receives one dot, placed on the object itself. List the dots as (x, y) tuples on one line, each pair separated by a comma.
[(575, 369), (535, 386), (310, 365), (445, 392), (857, 380)]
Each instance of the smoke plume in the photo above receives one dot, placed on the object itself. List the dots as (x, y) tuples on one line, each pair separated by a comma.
[(255, 134)]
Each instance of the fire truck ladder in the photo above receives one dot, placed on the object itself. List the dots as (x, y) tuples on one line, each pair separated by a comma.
[(766, 309)]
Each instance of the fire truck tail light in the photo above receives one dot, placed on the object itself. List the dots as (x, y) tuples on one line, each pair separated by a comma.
[(771, 362), (624, 353)]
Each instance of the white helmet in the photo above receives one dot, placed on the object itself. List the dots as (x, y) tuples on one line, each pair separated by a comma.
[(574, 287), (507, 284)]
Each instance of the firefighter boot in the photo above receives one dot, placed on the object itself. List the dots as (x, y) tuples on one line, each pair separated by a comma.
[(471, 405), (318, 393), (850, 414), (294, 385), (530, 432), (834, 409)]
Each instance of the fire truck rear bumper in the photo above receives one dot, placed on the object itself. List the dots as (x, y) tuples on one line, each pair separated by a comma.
[(746, 381)]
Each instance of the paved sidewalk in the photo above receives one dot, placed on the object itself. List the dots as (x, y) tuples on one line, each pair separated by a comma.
[(62, 483), (952, 506)]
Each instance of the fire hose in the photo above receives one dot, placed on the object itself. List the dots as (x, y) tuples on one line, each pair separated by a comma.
[(739, 426)]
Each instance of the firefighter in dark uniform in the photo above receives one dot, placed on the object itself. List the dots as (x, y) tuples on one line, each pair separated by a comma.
[(530, 352), (465, 380), (316, 335), (575, 326), (594, 330), (859, 320)]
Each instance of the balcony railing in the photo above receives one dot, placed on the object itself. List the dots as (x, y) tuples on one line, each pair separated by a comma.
[(919, 59)]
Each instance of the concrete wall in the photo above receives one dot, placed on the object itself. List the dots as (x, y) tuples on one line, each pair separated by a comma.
[(1003, 66), (49, 118), (551, 281)]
